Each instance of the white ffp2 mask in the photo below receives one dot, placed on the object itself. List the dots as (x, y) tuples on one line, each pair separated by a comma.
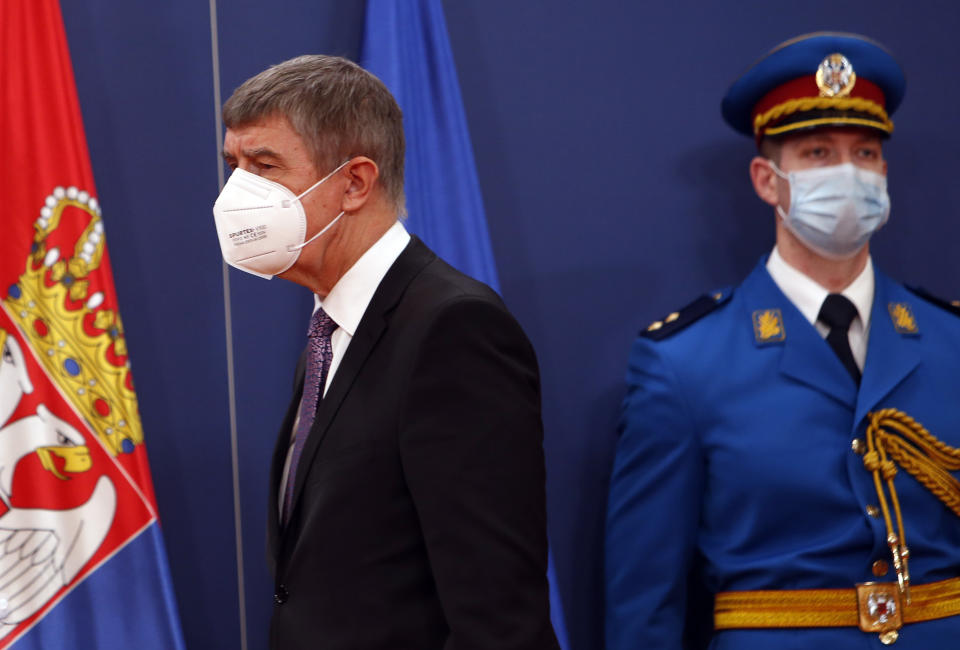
[(834, 210), (261, 224)]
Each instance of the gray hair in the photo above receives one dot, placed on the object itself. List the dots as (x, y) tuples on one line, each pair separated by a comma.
[(337, 108)]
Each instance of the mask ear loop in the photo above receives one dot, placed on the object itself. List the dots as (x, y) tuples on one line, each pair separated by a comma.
[(330, 225), (286, 202), (779, 172), (322, 230)]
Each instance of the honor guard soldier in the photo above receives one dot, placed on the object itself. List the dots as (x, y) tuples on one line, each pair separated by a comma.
[(789, 449)]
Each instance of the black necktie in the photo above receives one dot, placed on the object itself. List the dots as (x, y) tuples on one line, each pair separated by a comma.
[(837, 313)]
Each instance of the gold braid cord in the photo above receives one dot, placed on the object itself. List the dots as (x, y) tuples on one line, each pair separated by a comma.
[(894, 438), (804, 104)]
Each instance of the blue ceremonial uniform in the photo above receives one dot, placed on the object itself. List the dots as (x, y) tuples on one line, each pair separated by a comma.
[(735, 454)]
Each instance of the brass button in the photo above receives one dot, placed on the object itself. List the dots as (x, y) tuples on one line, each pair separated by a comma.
[(672, 317), (873, 511), (655, 326), (880, 568), (858, 446), (889, 637)]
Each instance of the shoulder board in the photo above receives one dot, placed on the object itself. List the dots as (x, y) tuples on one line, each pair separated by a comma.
[(951, 306), (678, 320)]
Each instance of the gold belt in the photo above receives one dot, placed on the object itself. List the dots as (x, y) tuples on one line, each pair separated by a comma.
[(877, 607), (893, 438)]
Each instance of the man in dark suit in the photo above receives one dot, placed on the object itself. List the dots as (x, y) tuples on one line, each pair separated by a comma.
[(407, 503)]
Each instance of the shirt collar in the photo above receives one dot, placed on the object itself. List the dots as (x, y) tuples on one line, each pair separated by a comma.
[(808, 296), (349, 297)]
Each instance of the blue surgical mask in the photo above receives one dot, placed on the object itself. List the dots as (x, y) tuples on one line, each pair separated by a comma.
[(834, 210)]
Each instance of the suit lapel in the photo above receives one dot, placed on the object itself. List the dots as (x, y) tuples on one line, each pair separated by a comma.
[(891, 354), (279, 460), (806, 357), (372, 326)]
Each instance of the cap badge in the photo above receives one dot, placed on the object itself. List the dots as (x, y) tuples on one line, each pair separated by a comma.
[(835, 76), (768, 326)]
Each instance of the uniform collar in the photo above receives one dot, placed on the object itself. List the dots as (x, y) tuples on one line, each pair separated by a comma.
[(349, 297), (808, 296)]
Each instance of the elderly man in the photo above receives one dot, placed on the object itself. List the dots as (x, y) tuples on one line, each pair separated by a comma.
[(788, 448), (407, 485)]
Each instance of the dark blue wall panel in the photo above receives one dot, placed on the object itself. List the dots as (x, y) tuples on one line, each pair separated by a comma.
[(614, 194)]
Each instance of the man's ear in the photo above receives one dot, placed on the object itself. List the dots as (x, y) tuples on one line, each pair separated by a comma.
[(362, 174), (765, 182)]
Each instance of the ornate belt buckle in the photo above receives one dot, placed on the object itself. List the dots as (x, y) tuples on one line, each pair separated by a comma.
[(879, 606)]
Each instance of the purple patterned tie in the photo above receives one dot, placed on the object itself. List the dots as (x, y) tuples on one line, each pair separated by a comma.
[(318, 363)]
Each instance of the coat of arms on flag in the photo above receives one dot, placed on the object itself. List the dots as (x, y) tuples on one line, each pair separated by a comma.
[(68, 417)]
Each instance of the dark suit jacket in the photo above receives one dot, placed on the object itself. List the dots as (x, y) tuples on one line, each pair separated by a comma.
[(418, 519)]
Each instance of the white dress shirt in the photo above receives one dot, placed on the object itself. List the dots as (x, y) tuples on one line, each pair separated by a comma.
[(346, 303), (808, 297)]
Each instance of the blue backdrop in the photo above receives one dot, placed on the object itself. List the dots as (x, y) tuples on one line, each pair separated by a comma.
[(614, 194)]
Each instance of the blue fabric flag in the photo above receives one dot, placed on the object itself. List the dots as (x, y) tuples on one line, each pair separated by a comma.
[(405, 44)]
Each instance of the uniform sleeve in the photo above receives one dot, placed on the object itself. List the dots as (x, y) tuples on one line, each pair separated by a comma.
[(471, 448), (653, 508)]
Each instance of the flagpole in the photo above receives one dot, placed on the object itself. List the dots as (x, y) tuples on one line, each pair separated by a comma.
[(228, 338)]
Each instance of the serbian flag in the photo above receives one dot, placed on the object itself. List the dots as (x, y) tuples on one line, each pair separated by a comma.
[(82, 563), (405, 45)]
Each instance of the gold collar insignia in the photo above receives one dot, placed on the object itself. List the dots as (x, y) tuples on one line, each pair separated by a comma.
[(903, 319), (768, 326)]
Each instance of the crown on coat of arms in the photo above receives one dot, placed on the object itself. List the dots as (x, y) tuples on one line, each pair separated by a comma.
[(76, 338)]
